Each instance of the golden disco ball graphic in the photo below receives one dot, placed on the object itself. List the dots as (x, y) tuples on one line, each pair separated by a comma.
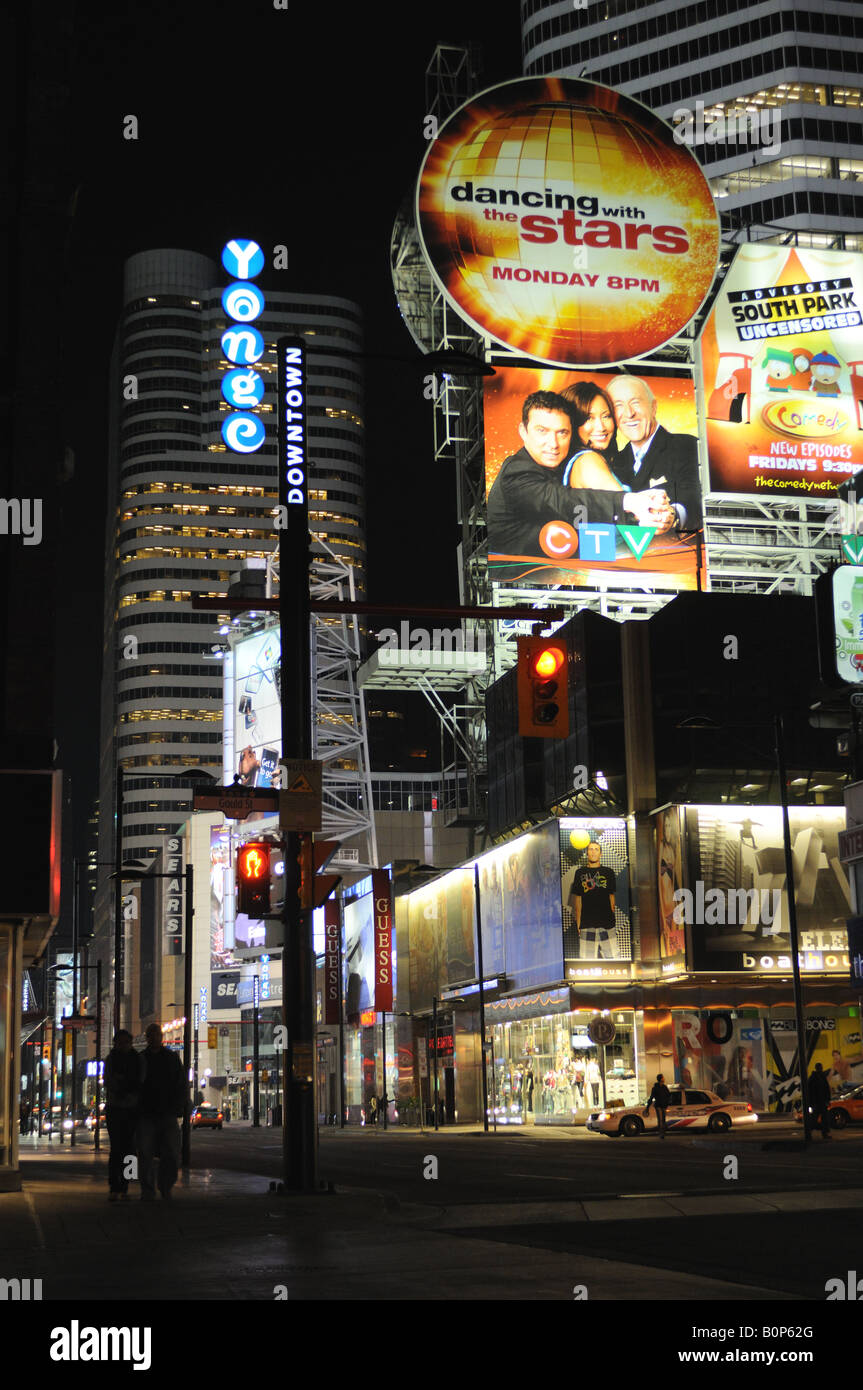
[(563, 220)]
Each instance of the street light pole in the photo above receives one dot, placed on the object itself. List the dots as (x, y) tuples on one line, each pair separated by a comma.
[(791, 898), (299, 1135)]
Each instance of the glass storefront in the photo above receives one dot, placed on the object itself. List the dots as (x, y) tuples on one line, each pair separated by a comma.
[(364, 1072), (546, 1070), (752, 1055)]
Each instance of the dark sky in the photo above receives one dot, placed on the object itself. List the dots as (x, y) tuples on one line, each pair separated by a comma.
[(300, 126)]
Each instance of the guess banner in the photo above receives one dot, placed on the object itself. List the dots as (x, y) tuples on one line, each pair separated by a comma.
[(332, 962), (383, 922)]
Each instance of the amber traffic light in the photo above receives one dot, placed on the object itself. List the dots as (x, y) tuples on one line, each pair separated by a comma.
[(543, 687), (253, 878)]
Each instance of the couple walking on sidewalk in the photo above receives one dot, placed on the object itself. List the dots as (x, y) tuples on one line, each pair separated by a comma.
[(145, 1095)]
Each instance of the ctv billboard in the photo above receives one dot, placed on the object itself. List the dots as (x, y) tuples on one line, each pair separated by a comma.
[(563, 220), (782, 363), (257, 713), (591, 474)]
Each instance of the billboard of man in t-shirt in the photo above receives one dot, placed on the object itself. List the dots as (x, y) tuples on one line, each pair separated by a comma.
[(592, 902)]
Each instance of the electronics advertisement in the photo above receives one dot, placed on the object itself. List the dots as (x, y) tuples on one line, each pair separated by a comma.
[(257, 711)]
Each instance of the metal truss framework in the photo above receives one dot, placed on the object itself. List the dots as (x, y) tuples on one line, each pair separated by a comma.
[(754, 545), (339, 734)]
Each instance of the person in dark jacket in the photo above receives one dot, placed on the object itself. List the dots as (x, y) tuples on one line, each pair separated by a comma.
[(122, 1081), (660, 1099), (819, 1099), (163, 1101)]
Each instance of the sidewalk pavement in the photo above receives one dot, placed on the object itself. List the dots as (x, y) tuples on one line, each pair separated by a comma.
[(224, 1235)]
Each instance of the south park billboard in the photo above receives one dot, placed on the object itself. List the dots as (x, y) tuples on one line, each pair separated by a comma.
[(781, 357), (563, 220)]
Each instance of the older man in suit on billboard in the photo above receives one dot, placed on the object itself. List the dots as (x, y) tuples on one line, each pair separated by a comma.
[(653, 457)]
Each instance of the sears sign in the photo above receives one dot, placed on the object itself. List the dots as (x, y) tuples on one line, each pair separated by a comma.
[(223, 990)]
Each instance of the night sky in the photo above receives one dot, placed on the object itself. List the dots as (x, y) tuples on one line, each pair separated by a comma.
[(300, 126)]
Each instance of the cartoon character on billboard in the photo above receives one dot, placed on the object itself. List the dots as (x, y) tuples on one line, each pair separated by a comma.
[(826, 370), (779, 366)]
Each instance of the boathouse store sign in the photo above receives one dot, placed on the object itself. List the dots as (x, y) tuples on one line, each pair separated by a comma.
[(242, 387), (562, 219)]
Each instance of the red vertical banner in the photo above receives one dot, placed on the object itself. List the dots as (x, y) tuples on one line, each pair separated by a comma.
[(383, 924), (332, 962)]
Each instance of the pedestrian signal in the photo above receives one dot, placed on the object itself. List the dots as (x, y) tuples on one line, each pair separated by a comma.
[(543, 687), (253, 878)]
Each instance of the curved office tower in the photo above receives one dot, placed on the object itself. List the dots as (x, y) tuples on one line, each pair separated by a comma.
[(186, 514), (789, 70)]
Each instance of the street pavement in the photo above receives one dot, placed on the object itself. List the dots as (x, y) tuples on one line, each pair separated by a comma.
[(506, 1217)]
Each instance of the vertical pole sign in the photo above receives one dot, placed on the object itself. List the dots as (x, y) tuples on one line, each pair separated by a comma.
[(332, 963), (383, 925), (300, 1129)]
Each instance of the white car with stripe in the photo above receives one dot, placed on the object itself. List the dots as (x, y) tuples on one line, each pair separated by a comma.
[(689, 1109)]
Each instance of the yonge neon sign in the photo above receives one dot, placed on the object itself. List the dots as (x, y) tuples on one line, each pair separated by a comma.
[(242, 387)]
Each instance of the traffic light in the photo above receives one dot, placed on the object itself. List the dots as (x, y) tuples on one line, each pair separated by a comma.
[(253, 878), (543, 687)]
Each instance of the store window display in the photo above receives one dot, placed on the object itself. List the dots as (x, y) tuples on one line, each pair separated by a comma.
[(547, 1071)]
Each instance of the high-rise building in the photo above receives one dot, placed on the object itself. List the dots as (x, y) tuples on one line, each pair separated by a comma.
[(186, 514), (797, 67)]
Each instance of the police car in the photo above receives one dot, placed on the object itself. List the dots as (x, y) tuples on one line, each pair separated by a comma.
[(689, 1109)]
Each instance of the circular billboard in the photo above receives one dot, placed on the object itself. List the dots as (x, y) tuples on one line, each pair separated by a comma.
[(565, 221)]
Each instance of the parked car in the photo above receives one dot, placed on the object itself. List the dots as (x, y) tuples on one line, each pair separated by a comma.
[(847, 1109), (206, 1117), (689, 1109)]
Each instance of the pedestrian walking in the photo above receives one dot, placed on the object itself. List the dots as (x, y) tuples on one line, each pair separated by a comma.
[(122, 1081), (660, 1099), (163, 1102), (373, 1109), (819, 1099)]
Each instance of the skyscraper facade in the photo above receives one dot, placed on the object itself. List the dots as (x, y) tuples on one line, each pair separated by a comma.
[(796, 67), (186, 514)]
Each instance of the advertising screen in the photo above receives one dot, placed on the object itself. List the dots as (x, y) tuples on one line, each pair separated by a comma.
[(848, 622), (669, 878), (523, 900), (257, 708), (221, 899), (591, 474), (782, 357), (733, 904), (597, 929), (563, 220), (359, 957), (441, 936)]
